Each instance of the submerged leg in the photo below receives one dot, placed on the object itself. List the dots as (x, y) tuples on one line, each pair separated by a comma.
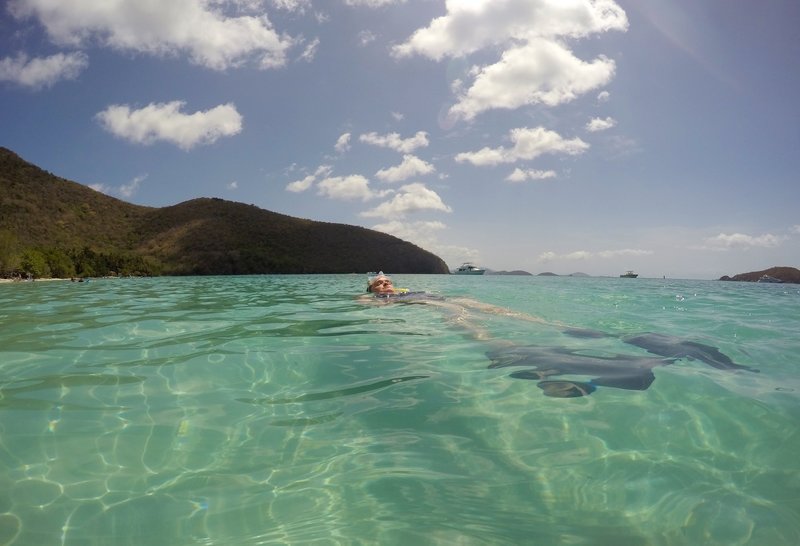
[(673, 347)]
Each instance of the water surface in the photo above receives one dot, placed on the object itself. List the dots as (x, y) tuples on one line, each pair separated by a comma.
[(281, 410)]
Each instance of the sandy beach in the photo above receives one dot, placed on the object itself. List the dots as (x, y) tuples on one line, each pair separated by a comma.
[(47, 279)]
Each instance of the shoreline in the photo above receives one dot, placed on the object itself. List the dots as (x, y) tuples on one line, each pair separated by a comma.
[(25, 281)]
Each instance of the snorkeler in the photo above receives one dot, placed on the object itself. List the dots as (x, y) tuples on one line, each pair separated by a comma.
[(548, 365), (380, 284), (383, 290)]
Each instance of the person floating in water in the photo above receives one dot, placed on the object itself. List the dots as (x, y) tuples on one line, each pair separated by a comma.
[(459, 309), (547, 364)]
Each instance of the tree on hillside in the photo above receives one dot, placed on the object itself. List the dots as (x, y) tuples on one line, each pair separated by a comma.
[(60, 264), (34, 263), (9, 253)]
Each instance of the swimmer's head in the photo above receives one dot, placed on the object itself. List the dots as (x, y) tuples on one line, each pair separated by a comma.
[(380, 284)]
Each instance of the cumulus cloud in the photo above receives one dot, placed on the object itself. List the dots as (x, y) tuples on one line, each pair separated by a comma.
[(527, 144), (125, 190), (299, 6), (372, 3), (795, 229), (395, 142), (520, 175), (422, 233), (310, 51), (596, 124), (541, 71), (40, 72), (342, 143), (366, 37), (535, 65), (470, 26), (603, 96), (347, 188), (410, 199), (585, 254), (301, 185), (197, 28), (166, 122), (410, 167), (305, 183), (724, 241)]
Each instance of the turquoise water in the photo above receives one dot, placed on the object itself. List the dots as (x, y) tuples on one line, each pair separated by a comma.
[(282, 410)]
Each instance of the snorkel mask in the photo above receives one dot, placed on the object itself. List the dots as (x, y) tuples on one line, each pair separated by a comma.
[(372, 277)]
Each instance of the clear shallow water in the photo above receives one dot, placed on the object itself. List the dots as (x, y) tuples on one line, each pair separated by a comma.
[(280, 410)]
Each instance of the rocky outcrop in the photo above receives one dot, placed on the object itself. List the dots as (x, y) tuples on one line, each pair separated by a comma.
[(783, 274)]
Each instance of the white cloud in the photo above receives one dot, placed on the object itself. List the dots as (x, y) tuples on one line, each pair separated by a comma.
[(366, 37), (724, 241), (310, 51), (372, 3), (471, 26), (347, 188), (624, 252), (305, 183), (585, 254), (125, 190), (528, 144), (596, 124), (42, 72), (603, 96), (298, 6), (165, 121), (421, 233), (410, 199), (301, 185), (398, 116), (198, 28), (520, 175), (343, 143), (394, 142), (232, 185), (795, 229), (540, 71), (535, 65), (410, 167)]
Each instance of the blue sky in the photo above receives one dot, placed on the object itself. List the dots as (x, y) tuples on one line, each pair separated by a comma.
[(544, 135)]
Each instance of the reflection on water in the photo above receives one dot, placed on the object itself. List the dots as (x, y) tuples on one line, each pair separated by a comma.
[(261, 410)]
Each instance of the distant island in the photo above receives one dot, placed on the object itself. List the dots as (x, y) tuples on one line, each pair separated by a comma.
[(779, 274), (527, 274), (53, 227), (515, 272)]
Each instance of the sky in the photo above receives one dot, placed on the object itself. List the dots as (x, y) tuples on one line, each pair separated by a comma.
[(563, 136)]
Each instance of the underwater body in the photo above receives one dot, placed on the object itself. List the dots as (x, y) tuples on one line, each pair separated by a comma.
[(285, 410)]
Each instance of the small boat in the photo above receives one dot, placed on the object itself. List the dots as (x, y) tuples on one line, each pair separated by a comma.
[(767, 278), (629, 275), (469, 269)]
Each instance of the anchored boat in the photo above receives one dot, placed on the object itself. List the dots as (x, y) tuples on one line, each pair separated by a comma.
[(469, 269)]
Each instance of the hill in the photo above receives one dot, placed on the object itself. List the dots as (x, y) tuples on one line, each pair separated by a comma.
[(50, 225), (785, 274), (514, 272)]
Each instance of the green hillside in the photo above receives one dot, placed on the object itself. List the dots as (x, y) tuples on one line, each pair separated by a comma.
[(52, 226)]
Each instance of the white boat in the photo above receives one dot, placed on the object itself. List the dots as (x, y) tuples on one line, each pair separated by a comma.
[(767, 278), (469, 269), (629, 275)]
